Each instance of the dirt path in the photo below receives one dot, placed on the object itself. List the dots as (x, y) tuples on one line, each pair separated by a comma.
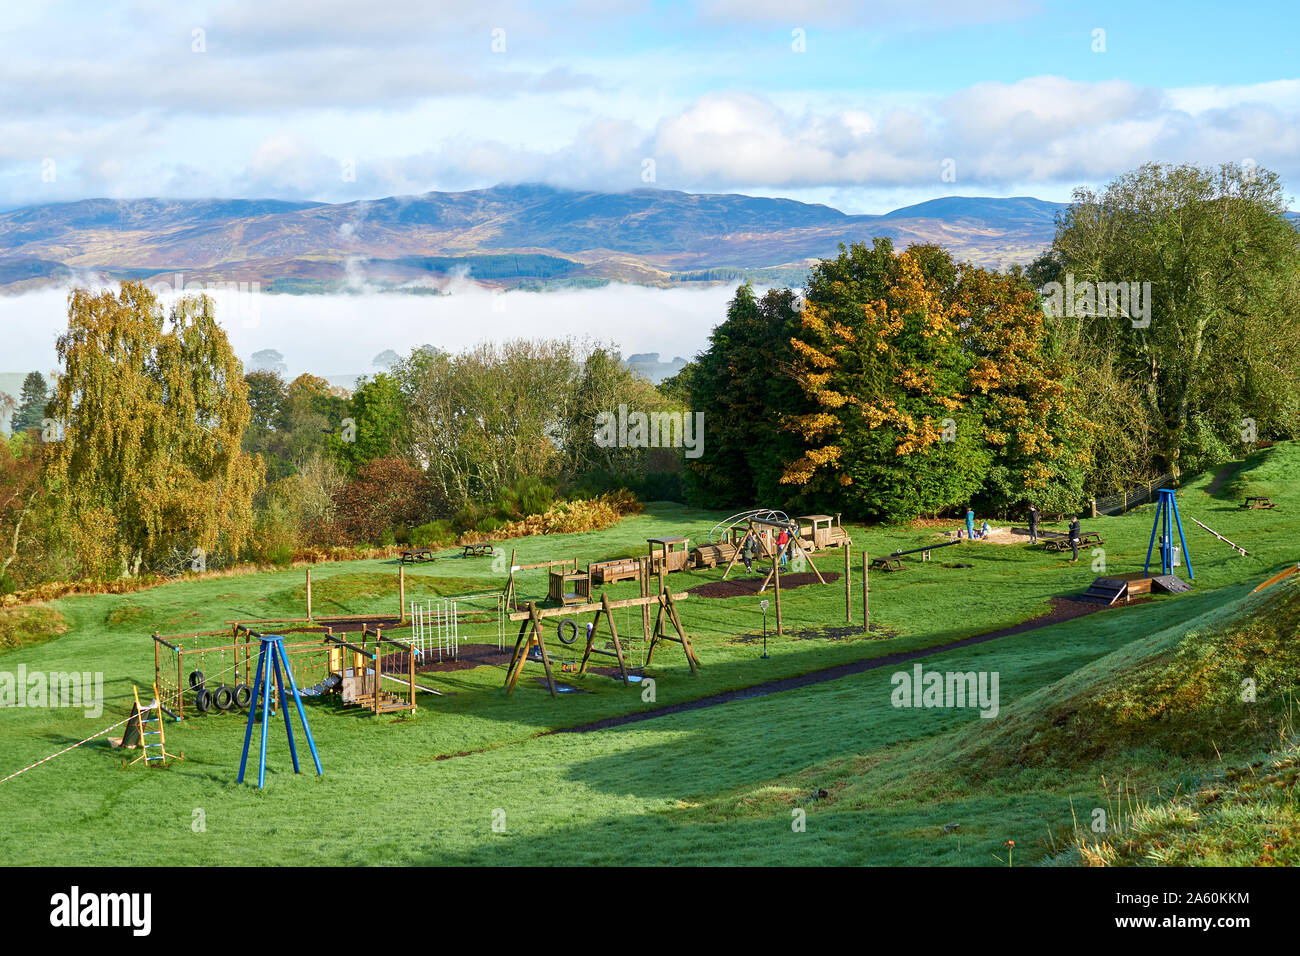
[(1221, 476)]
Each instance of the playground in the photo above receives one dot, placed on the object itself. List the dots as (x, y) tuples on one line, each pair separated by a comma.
[(473, 686)]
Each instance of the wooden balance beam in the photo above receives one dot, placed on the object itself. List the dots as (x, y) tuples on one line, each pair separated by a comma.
[(1236, 547)]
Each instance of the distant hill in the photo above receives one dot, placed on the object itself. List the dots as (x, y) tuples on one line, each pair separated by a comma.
[(505, 236)]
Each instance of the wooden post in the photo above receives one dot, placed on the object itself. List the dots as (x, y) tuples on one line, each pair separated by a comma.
[(401, 594), (848, 587), (379, 663), (644, 568), (866, 593), (309, 594), (776, 568)]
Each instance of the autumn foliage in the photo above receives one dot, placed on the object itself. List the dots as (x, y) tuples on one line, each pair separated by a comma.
[(386, 493), (930, 387)]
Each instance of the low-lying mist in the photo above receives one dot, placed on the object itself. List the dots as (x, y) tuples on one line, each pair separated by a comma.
[(341, 334)]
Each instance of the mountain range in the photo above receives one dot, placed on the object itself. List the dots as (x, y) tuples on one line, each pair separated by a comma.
[(505, 236)]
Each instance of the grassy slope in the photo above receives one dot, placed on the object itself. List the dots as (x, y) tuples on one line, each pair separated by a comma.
[(714, 785)]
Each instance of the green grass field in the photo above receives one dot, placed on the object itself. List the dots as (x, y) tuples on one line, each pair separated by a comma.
[(1119, 709)]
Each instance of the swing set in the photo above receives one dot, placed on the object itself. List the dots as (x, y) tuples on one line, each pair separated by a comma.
[(530, 645)]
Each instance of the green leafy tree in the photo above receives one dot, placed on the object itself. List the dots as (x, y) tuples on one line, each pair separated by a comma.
[(743, 383), (1224, 311), (314, 419), (933, 385), (378, 413), (267, 433)]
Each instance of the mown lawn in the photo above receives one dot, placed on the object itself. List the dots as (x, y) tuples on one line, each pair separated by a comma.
[(715, 785)]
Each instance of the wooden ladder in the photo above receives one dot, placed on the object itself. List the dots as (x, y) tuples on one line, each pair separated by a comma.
[(153, 741)]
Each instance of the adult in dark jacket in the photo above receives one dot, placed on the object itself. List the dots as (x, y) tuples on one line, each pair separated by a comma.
[(1075, 534), (1033, 524), (747, 552)]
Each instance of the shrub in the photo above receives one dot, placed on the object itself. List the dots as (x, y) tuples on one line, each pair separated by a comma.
[(385, 494), (432, 534)]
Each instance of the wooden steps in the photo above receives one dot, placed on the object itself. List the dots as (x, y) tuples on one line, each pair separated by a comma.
[(1107, 591), (1114, 588)]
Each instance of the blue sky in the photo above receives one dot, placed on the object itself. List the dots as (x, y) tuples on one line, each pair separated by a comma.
[(867, 106)]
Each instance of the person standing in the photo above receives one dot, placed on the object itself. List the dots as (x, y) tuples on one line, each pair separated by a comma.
[(970, 523), (1075, 535), (1033, 524), (747, 552), (782, 540)]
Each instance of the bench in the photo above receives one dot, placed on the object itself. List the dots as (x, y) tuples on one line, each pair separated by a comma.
[(1086, 539), (412, 555), (478, 549), (887, 564), (1256, 502)]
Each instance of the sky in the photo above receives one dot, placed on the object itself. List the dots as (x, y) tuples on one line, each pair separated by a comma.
[(866, 106)]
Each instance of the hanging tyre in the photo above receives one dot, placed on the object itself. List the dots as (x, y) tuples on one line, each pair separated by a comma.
[(572, 631), (202, 700), (223, 698), (196, 679), (242, 695)]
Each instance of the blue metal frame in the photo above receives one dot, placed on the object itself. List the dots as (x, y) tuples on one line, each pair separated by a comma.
[(271, 659), (1167, 513)]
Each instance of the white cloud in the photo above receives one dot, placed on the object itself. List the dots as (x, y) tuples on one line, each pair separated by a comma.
[(841, 13)]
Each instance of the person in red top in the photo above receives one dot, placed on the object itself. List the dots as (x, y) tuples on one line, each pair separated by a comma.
[(781, 541)]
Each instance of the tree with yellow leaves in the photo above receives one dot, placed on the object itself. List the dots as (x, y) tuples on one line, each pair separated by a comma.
[(930, 386), (150, 410)]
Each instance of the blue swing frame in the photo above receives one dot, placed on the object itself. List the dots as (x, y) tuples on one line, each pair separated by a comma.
[(1167, 512), (271, 659)]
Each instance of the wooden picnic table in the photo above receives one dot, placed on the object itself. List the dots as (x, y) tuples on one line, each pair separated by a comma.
[(412, 555), (1258, 502), (476, 550), (887, 564), (1063, 542)]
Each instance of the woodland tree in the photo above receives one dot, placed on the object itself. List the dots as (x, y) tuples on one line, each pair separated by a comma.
[(151, 408)]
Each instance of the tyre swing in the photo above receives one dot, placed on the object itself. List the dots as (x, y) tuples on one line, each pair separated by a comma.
[(202, 699), (223, 698), (567, 635), (572, 632)]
